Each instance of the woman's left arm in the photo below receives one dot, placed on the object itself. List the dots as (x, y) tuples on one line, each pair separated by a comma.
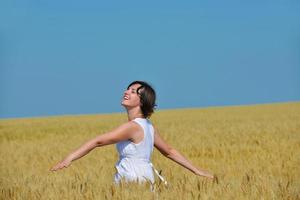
[(177, 157), (124, 132)]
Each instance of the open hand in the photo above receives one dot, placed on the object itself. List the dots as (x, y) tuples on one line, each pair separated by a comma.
[(62, 164), (204, 173)]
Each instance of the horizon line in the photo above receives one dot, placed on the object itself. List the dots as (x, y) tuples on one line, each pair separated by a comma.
[(157, 110)]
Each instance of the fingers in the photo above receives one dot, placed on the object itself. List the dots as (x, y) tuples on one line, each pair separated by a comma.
[(59, 166), (56, 167), (205, 174), (209, 176)]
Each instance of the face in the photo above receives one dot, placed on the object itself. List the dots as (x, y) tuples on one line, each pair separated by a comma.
[(131, 97)]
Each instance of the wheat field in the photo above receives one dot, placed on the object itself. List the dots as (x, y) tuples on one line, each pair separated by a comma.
[(253, 150)]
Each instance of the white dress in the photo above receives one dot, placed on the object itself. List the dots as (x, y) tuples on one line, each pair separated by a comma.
[(135, 159)]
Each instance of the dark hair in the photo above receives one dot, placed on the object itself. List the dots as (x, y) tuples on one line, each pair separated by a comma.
[(147, 96)]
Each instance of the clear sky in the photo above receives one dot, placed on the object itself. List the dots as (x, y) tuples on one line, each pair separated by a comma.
[(77, 57)]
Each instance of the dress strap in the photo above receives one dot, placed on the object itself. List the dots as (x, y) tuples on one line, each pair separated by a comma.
[(159, 176)]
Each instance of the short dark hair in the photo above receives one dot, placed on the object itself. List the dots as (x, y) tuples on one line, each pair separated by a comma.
[(147, 95)]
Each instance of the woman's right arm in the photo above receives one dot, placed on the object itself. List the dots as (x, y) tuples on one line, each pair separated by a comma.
[(123, 132), (177, 157)]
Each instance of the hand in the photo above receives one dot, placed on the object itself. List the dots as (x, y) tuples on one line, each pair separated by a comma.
[(204, 173), (62, 164)]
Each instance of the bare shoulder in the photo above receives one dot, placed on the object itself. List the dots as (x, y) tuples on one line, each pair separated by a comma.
[(129, 126), (125, 131), (155, 130)]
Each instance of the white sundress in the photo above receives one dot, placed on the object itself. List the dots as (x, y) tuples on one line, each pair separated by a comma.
[(135, 159)]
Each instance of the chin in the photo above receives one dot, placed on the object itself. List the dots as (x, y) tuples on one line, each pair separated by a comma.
[(123, 104)]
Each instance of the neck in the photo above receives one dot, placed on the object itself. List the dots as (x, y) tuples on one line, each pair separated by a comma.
[(133, 113)]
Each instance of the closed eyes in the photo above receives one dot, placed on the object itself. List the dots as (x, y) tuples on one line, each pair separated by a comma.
[(132, 90)]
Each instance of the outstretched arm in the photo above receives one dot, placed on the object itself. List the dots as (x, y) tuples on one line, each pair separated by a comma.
[(174, 155), (124, 132)]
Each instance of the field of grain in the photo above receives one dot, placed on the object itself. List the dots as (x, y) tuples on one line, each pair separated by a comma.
[(253, 150)]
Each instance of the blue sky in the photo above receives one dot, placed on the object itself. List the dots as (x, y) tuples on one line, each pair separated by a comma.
[(77, 57)]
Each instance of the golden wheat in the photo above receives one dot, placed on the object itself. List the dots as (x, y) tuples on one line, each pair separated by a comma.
[(253, 150)]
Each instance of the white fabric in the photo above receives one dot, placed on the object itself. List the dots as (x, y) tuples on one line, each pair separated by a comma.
[(162, 179), (135, 159)]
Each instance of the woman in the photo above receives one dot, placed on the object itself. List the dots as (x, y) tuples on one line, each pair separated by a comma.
[(135, 140)]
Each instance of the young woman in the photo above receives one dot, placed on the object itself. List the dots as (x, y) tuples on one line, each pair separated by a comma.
[(135, 140)]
